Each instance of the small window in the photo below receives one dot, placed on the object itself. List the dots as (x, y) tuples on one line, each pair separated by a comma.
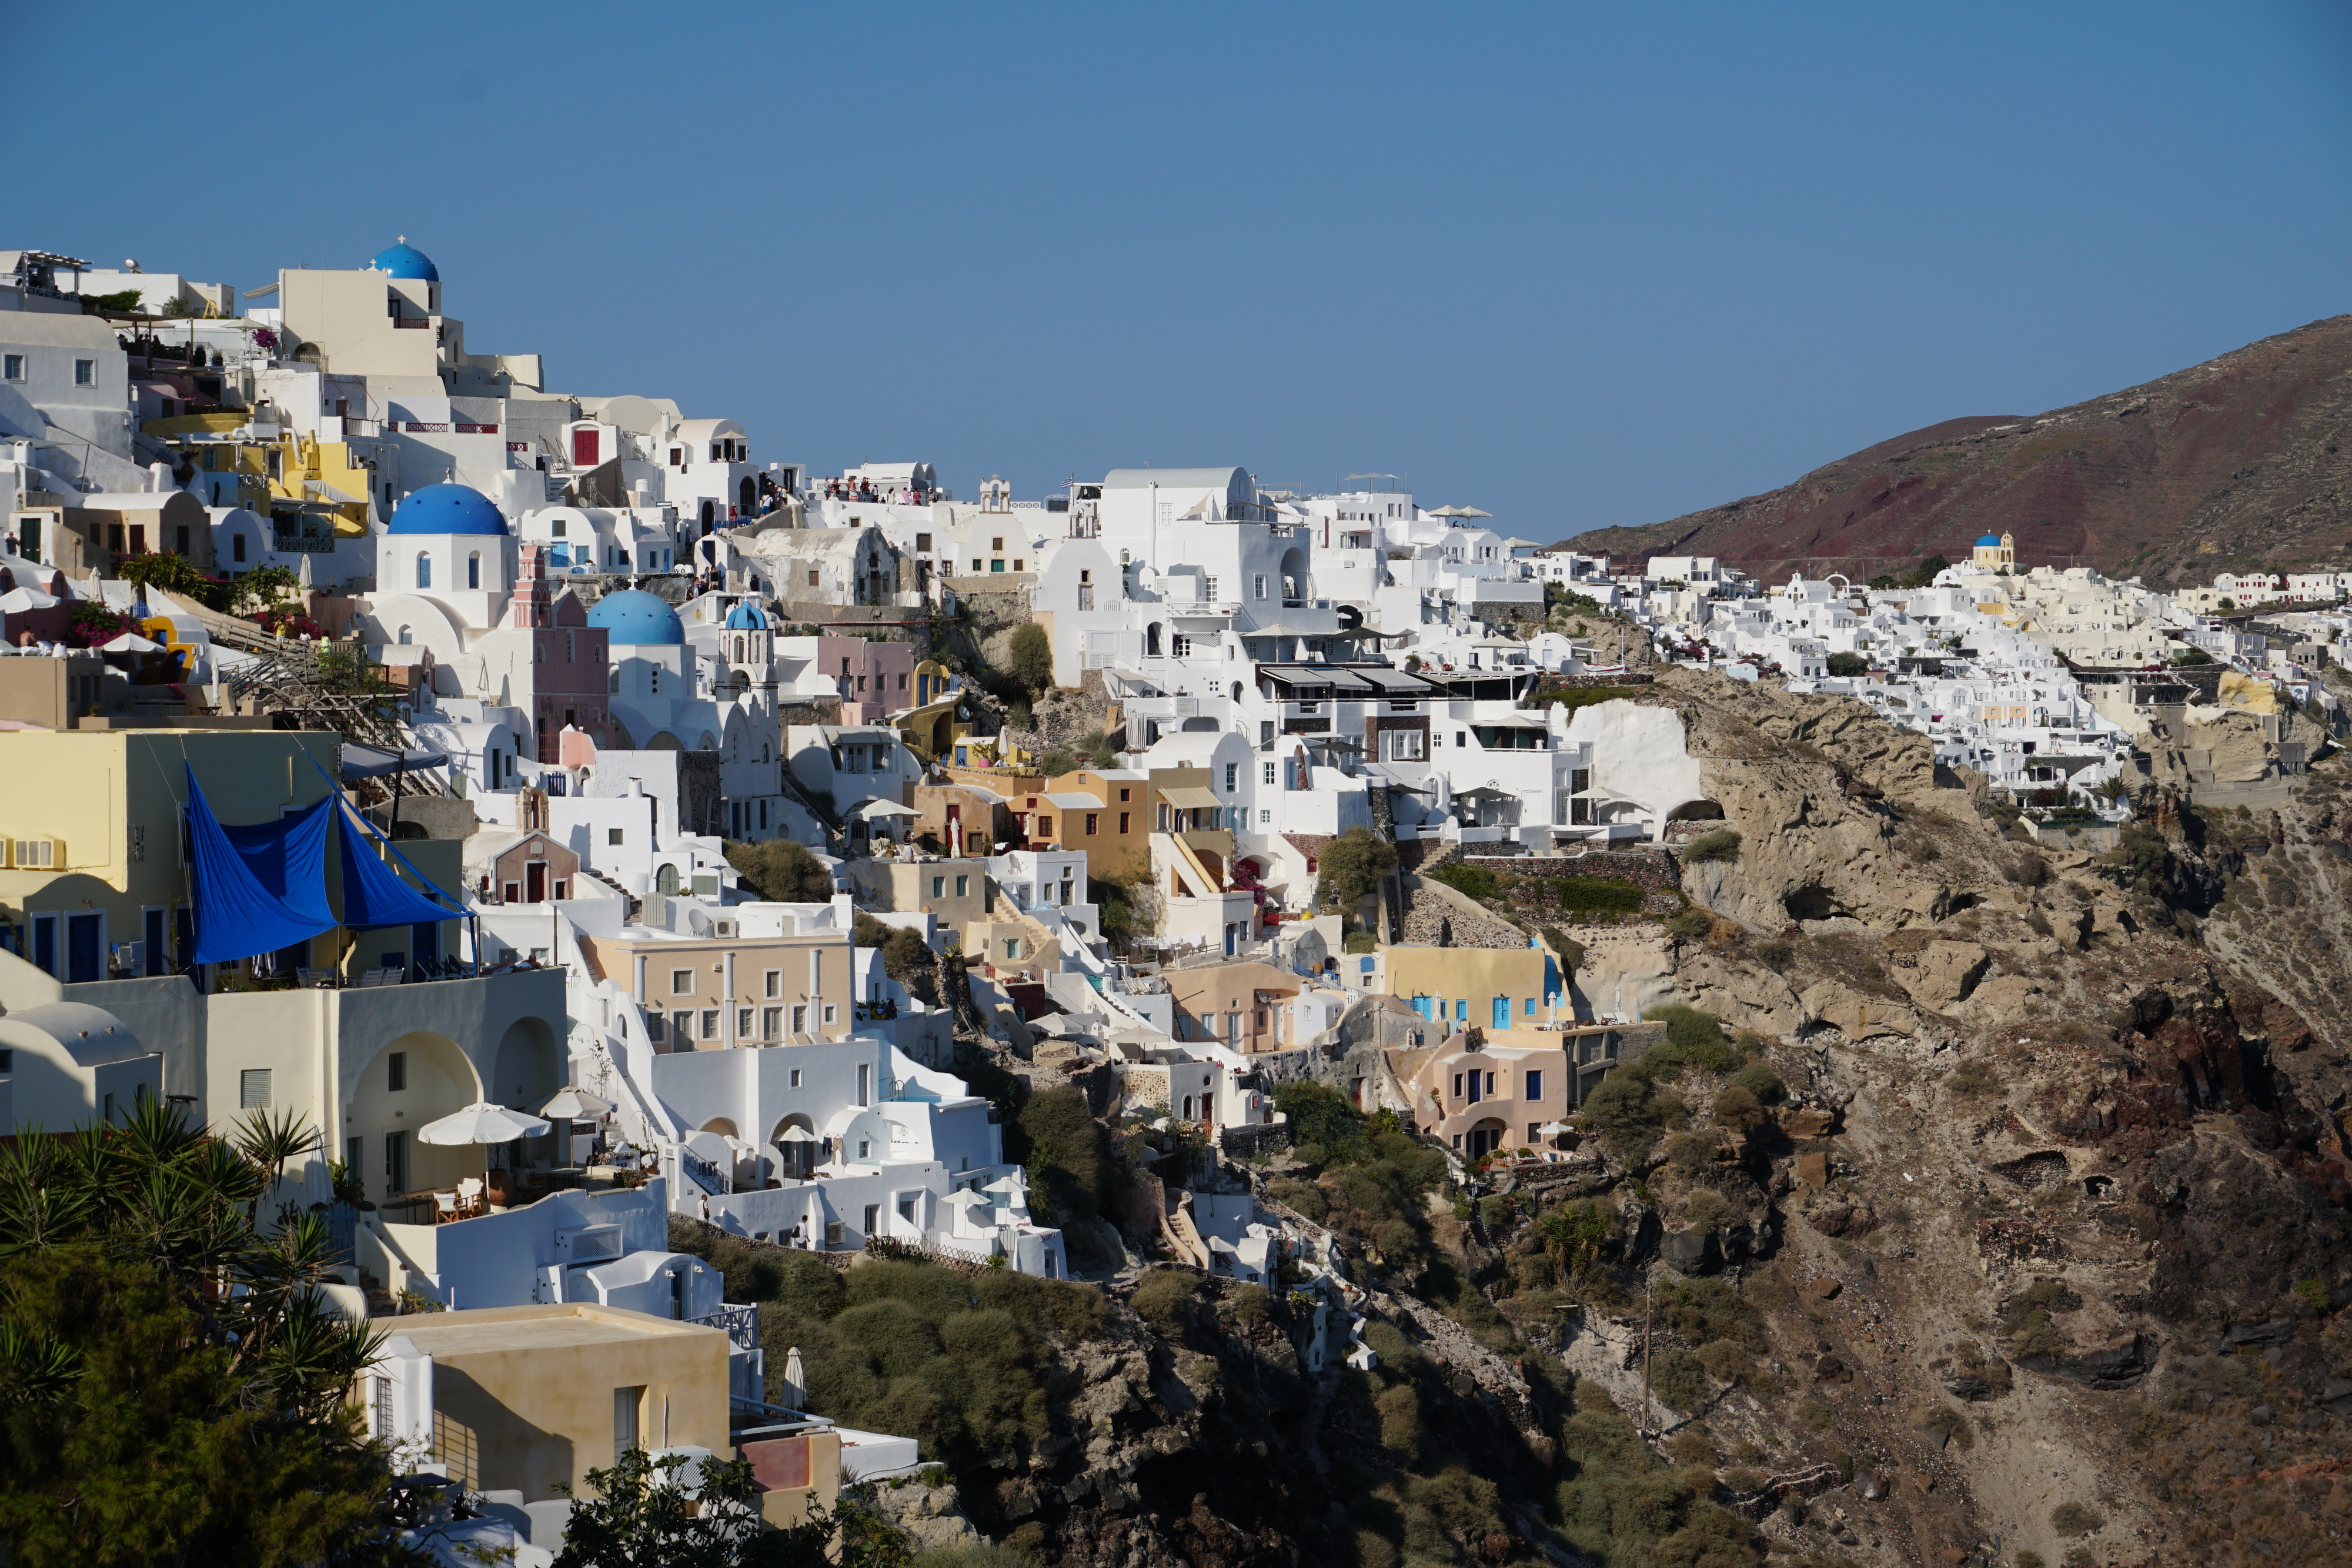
[(1535, 1084), (657, 1027), (744, 1024), (12, 367), (831, 1012), (923, 543), (612, 835), (681, 1026), (681, 982), (1233, 777), (771, 1022), (395, 1072), (253, 1089), (710, 1023), (85, 372), (963, 886), (1093, 824), (796, 1077), (775, 982)]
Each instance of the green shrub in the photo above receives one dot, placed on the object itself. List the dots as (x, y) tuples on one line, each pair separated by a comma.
[(2313, 1296), (973, 1554), (1250, 1304), (1738, 1109), (1399, 1412), (1691, 1037), (1361, 942), (1474, 881), (1758, 1078), (2075, 1519), (1625, 1108), (1679, 1380), (1723, 844), (1167, 1299), (1030, 656), (1690, 924)]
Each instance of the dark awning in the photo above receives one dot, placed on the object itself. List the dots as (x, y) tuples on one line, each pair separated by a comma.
[(374, 762)]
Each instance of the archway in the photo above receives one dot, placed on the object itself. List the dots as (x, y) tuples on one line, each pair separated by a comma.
[(798, 1154), (528, 1071), (1151, 640), (666, 879), (722, 1125), (1485, 1138), (747, 496), (1297, 586), (411, 1081)]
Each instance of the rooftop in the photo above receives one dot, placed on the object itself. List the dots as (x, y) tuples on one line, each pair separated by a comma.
[(550, 1327)]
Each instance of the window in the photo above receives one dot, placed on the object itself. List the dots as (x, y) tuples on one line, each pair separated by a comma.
[(1123, 794), (1265, 819), (1208, 1026), (395, 1072), (237, 546), (1123, 817), (710, 1023), (1267, 775), (1531, 1009), (1233, 777), (474, 580), (1402, 744), (923, 543), (612, 835), (681, 982), (12, 367), (1535, 1084), (800, 1020), (796, 1077), (1093, 824), (744, 1024), (423, 572), (253, 1089), (963, 886), (775, 983), (1257, 586), (681, 1028), (866, 1083), (1045, 827), (626, 1404), (772, 1024), (85, 372)]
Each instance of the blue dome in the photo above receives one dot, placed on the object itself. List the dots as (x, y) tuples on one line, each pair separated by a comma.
[(635, 617), (405, 260), (447, 509), (746, 617), (1989, 541)]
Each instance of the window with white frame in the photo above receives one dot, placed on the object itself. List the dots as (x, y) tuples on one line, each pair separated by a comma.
[(12, 367), (85, 372)]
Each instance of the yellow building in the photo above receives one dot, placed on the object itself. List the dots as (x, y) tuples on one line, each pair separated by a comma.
[(1996, 554), (528, 1399), (94, 869), (1492, 988)]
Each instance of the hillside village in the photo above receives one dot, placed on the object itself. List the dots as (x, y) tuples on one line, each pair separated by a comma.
[(744, 871)]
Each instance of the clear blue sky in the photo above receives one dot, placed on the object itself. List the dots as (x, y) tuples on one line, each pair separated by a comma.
[(1577, 265)]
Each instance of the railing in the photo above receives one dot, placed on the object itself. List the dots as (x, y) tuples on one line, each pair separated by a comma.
[(412, 321), (742, 1322), (704, 1174)]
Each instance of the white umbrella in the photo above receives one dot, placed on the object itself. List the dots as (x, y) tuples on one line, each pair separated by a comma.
[(793, 1388), (575, 1103), (798, 1135), (131, 642), (481, 1123), (1553, 1129)]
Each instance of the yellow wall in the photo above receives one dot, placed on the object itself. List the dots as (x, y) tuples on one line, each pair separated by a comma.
[(524, 1397), (704, 962), (1474, 975)]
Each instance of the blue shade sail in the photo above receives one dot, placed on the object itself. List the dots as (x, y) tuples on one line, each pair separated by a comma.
[(288, 859), (373, 895), (237, 914)]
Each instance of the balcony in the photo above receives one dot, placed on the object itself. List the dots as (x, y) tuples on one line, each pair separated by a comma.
[(742, 1323)]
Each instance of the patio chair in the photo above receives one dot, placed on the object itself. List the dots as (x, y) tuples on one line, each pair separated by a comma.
[(445, 1206), (469, 1194)]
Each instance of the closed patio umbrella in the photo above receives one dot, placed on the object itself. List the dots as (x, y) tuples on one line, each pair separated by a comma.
[(793, 1389), (571, 1105)]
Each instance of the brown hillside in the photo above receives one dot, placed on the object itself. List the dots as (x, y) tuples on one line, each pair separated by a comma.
[(2237, 462)]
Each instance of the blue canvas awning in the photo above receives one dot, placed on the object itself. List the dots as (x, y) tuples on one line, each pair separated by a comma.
[(373, 895), (236, 913)]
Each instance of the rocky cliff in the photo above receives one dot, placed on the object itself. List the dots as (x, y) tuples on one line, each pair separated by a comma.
[(2235, 464), (1983, 1204)]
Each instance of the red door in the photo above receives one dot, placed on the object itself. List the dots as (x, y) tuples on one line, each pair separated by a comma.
[(534, 877), (583, 448)]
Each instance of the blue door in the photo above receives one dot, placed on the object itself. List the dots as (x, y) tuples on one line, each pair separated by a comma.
[(1421, 1005), (1502, 1013), (84, 958)]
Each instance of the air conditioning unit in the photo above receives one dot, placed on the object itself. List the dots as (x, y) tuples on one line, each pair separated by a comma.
[(588, 1243), (724, 928)]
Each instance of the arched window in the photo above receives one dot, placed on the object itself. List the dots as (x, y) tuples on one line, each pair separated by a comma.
[(1151, 640), (474, 570), (616, 678), (406, 635), (423, 570)]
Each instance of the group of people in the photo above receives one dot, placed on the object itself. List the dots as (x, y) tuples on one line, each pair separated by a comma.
[(864, 490)]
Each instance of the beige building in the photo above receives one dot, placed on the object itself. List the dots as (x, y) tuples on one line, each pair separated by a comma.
[(1500, 1095), (1239, 1006), (957, 891), (528, 1399), (731, 989)]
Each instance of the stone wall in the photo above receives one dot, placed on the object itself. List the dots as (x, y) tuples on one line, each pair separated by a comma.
[(1254, 1140)]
